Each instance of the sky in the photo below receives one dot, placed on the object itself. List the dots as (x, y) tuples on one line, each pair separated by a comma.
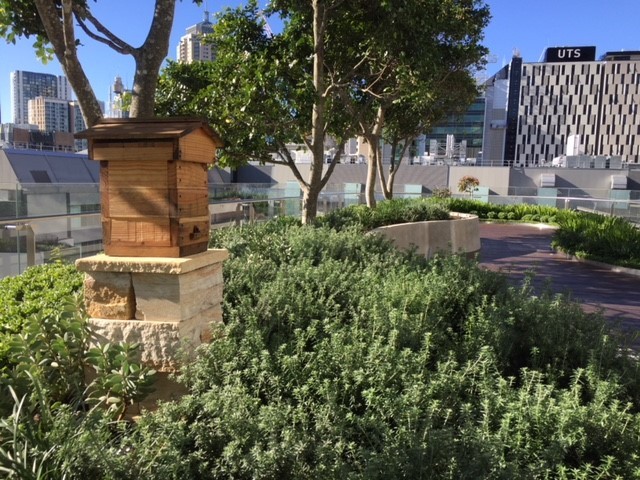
[(526, 26)]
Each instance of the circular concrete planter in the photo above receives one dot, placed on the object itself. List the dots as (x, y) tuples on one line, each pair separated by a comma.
[(460, 234)]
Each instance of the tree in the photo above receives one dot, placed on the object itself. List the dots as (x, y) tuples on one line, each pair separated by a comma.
[(468, 184), (51, 22), (409, 54), (266, 91), (413, 115), (335, 70)]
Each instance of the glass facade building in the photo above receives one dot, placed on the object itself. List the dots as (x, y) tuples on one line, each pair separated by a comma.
[(466, 127)]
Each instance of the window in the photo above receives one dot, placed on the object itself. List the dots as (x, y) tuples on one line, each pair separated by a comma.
[(40, 176)]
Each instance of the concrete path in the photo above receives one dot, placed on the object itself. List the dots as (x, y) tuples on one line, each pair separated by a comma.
[(518, 248)]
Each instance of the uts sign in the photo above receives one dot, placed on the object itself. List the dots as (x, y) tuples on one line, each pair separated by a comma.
[(570, 54)]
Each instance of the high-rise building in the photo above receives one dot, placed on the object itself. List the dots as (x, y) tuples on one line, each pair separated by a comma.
[(76, 121), (119, 100), (27, 86), (49, 114), (191, 47), (569, 103)]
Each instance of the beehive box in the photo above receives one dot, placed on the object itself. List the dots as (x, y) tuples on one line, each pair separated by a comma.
[(153, 184)]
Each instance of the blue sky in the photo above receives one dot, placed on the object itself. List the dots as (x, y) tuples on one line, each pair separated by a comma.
[(527, 25)]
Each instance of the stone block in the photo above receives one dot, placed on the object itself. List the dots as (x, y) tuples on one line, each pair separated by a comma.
[(162, 297), (109, 295), (167, 305), (159, 341)]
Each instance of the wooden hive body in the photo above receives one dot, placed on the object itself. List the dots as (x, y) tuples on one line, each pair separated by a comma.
[(153, 184)]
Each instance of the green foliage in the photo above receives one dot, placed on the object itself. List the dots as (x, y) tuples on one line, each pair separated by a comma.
[(42, 289), (521, 212), (257, 95), (343, 358), (443, 192), (52, 353), (598, 237), (53, 407), (602, 238), (386, 213)]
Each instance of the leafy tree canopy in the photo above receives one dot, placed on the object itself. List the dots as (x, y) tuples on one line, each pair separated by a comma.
[(334, 71)]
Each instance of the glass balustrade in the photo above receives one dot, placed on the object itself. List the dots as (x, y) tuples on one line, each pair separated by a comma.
[(39, 223)]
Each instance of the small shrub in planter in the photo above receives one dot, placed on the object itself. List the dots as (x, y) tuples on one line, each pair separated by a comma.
[(388, 212), (511, 216), (502, 215), (492, 215)]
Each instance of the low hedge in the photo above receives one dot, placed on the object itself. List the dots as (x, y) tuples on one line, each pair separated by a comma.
[(603, 238), (388, 212)]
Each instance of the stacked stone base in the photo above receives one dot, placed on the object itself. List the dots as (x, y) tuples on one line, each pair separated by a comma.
[(167, 305)]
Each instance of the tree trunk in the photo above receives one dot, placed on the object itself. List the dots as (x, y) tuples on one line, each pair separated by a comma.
[(394, 167), (386, 183), (373, 137), (310, 203), (62, 37), (149, 58), (383, 183), (372, 168), (390, 181), (310, 200)]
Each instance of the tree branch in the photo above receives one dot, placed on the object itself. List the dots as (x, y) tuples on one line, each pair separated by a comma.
[(332, 166), (109, 39)]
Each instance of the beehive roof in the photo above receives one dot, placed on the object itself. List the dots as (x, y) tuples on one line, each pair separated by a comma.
[(147, 129)]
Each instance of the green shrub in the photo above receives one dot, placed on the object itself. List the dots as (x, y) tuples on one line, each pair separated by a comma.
[(49, 391), (388, 212), (343, 358), (43, 289), (597, 237)]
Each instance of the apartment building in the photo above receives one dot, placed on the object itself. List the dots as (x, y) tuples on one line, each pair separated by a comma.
[(27, 86), (191, 47)]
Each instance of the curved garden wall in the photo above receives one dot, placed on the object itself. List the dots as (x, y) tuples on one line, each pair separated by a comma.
[(461, 234)]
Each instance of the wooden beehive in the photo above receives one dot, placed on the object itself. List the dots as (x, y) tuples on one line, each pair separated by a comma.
[(153, 184)]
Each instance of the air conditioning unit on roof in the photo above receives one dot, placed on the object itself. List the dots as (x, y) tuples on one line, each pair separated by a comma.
[(618, 182), (547, 180)]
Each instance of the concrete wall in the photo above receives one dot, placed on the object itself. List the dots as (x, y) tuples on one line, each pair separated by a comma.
[(495, 178), (429, 176), (570, 181), (459, 235), (499, 180)]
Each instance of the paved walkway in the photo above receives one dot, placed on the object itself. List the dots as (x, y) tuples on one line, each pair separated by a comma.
[(518, 248)]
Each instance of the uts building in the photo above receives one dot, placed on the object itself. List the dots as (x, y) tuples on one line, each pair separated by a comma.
[(569, 104)]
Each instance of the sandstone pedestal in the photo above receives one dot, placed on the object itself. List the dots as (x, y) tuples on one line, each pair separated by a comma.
[(166, 305)]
